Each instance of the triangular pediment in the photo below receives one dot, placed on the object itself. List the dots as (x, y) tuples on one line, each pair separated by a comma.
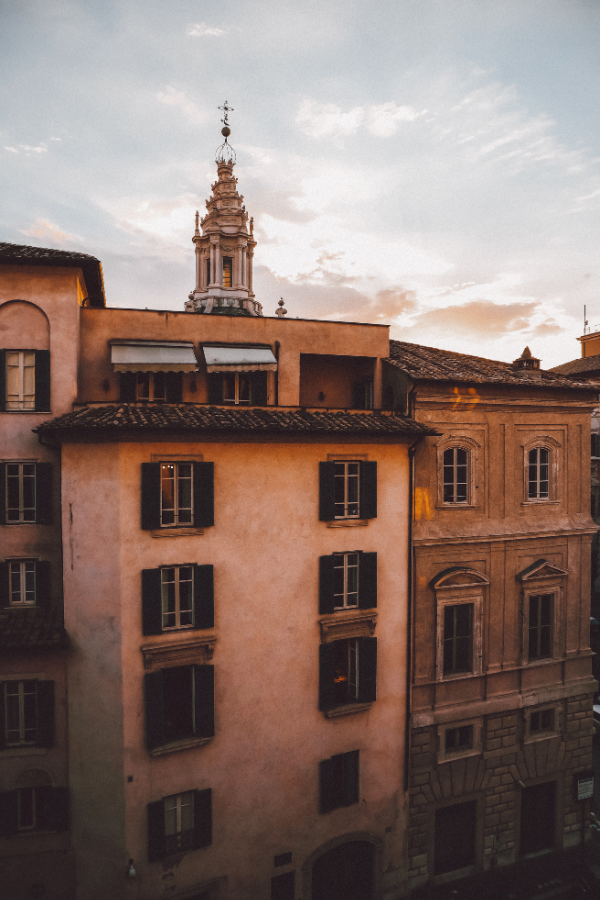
[(458, 576), (541, 568)]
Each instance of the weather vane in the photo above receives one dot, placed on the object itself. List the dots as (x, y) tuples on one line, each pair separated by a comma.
[(225, 153)]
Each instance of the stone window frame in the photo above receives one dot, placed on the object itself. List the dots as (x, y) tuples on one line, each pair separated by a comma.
[(530, 737), (475, 750), (542, 577), (449, 594), (473, 448), (545, 442)]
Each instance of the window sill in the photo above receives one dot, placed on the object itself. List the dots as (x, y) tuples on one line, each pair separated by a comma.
[(346, 523), (457, 506), (347, 709), (442, 679), (460, 754), (175, 532), (13, 752), (183, 744), (543, 502), (336, 627), (544, 736), (178, 653)]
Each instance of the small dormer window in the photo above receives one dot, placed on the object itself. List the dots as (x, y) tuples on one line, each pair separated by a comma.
[(227, 271)]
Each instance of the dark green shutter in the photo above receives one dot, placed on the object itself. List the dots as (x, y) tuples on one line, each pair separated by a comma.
[(60, 809), (204, 597), (150, 495), (204, 494), (367, 580), (42, 380), (215, 388), (155, 709), (45, 713), (326, 783), (203, 818), (204, 701), (43, 807), (2, 720), (43, 494), (258, 387), (326, 676), (367, 669), (326, 491), (42, 582), (151, 601), (156, 830), (368, 490), (2, 493), (2, 380), (8, 812), (174, 392), (4, 584), (326, 584), (351, 778), (127, 386)]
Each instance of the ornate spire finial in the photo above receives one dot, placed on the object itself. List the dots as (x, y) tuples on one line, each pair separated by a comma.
[(281, 311), (225, 153)]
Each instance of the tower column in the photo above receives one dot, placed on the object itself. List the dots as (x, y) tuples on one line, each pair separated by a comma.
[(218, 276)]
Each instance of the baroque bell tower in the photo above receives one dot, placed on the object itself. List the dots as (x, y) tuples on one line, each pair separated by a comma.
[(224, 245)]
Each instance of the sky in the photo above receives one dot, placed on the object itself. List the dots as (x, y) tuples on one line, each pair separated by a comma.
[(433, 165)]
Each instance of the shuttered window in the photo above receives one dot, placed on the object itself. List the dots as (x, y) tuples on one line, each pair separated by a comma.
[(39, 808), (177, 495), (347, 672), (237, 388), (338, 781), (25, 380), (346, 581), (347, 490), (26, 493), (179, 704), (176, 597), (24, 583), (178, 823), (26, 713)]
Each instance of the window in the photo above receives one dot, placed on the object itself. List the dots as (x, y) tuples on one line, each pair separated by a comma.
[(175, 597), (458, 638), (26, 492), (348, 672), (338, 779), (540, 626), (539, 474), (542, 720), (179, 705), (458, 739), (238, 388), (25, 380), (347, 581), (347, 490), (227, 271), (177, 494), (178, 823), (455, 830), (24, 582), (34, 806), (362, 394), (160, 387), (456, 475), (27, 714)]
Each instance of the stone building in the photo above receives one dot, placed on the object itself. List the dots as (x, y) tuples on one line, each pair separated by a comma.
[(501, 686)]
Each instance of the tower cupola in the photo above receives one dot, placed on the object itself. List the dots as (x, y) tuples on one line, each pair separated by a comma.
[(224, 244)]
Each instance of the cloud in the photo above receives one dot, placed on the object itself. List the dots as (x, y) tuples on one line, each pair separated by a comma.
[(43, 230), (483, 317), (172, 97), (27, 149), (393, 302), (201, 29), (11, 149), (323, 119)]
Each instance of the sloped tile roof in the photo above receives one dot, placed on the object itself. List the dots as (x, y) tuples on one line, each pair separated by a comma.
[(33, 629), (578, 366), (432, 364), (22, 254), (130, 418)]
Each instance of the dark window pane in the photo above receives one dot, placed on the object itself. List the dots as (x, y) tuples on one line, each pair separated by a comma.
[(178, 702), (455, 837)]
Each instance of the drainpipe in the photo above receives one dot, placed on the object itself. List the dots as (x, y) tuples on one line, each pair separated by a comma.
[(409, 614), (277, 346)]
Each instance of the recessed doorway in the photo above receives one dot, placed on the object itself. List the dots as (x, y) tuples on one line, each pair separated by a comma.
[(345, 873)]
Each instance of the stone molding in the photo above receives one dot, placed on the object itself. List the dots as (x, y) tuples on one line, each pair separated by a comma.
[(337, 626), (198, 650)]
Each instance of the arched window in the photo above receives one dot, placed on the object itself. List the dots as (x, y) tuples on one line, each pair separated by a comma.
[(541, 470), (538, 483), (456, 475)]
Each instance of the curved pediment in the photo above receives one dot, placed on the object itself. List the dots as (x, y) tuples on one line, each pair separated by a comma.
[(541, 568), (458, 576)]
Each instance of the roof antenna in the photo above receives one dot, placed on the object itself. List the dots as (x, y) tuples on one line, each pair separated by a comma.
[(585, 321)]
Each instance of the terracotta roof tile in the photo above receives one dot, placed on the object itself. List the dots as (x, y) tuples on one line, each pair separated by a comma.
[(40, 629), (22, 254), (578, 366), (432, 364), (196, 419)]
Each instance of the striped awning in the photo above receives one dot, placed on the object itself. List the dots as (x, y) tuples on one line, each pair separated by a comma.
[(239, 359), (153, 356)]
